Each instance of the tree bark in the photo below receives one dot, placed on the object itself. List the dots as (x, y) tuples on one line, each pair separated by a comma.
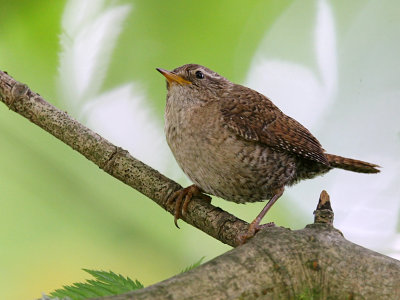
[(116, 161), (313, 263), (316, 262)]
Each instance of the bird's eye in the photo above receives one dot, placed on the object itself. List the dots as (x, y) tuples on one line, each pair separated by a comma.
[(199, 75)]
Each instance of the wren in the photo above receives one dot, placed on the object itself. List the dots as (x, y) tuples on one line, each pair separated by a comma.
[(234, 143)]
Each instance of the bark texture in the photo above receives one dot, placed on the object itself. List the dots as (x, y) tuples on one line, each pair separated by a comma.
[(316, 262), (313, 263), (117, 161)]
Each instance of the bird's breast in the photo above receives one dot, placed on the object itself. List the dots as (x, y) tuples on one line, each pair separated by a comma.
[(220, 162), (186, 130)]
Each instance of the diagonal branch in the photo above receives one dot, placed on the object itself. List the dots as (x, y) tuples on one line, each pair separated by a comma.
[(116, 161), (315, 262)]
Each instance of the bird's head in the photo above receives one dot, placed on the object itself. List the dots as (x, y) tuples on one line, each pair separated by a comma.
[(194, 82)]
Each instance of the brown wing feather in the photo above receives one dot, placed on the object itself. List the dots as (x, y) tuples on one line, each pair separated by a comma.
[(254, 117)]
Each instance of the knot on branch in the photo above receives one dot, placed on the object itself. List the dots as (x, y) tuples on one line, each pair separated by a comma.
[(324, 213), (109, 165), (18, 91)]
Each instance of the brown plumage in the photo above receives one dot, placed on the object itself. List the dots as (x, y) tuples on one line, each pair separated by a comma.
[(233, 142)]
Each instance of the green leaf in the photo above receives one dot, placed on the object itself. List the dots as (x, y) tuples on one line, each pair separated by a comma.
[(195, 265), (105, 284)]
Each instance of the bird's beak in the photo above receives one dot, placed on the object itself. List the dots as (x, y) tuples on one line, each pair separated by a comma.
[(172, 77)]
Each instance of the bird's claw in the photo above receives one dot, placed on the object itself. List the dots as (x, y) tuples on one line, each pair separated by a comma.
[(252, 230), (182, 198)]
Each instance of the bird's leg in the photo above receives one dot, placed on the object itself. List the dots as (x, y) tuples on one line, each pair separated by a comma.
[(255, 225), (185, 195)]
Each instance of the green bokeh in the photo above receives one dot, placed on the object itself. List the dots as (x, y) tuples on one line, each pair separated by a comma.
[(59, 212)]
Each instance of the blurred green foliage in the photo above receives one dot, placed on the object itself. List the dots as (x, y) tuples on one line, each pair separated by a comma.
[(59, 212)]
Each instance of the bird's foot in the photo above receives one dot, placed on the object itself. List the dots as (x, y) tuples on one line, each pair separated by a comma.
[(185, 195), (254, 227)]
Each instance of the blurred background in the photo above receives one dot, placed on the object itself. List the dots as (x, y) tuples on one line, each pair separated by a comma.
[(332, 65)]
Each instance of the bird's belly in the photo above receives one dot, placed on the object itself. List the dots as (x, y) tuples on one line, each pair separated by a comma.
[(228, 167)]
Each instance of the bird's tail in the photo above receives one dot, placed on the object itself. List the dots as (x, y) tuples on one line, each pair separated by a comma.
[(351, 164)]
